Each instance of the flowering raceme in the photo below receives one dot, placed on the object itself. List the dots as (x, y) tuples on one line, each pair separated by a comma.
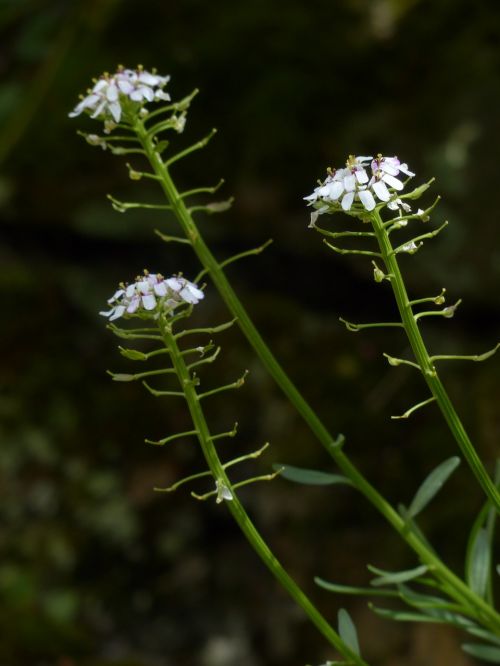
[(149, 291), (352, 184), (112, 93)]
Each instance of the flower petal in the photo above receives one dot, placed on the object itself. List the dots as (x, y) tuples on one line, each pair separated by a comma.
[(134, 304), (119, 311), (116, 111), (380, 189), (149, 301), (160, 289), (361, 176), (349, 182), (392, 182), (347, 200), (404, 169), (174, 283), (366, 198)]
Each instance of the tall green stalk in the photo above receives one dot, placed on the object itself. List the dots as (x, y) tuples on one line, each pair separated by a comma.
[(235, 506), (426, 364)]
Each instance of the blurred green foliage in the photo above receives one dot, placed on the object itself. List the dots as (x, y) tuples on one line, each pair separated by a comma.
[(96, 569)]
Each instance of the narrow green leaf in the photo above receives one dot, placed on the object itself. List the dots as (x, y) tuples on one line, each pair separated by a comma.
[(347, 631), (349, 589), (485, 521), (401, 616), (310, 476), (479, 632), (432, 615), (394, 577), (432, 485), (479, 563), (424, 601), (485, 652)]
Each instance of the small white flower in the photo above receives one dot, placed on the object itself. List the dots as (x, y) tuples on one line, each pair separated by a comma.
[(422, 215), (111, 92), (223, 492), (150, 290), (410, 247), (399, 204)]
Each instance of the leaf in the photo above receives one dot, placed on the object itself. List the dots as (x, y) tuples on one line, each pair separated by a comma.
[(349, 589), (432, 485), (347, 631), (479, 632), (310, 477), (393, 577), (424, 601), (401, 616), (478, 556), (437, 616), (478, 569), (485, 652), (432, 615)]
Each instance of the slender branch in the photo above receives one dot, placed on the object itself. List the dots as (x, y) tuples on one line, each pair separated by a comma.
[(410, 411), (445, 312), (171, 438), (354, 328), (196, 146), (393, 360), (473, 357), (425, 363), (202, 190), (341, 250), (438, 300), (227, 387)]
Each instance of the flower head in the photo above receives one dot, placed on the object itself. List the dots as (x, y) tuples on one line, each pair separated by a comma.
[(150, 292), (126, 89), (353, 188), (346, 185)]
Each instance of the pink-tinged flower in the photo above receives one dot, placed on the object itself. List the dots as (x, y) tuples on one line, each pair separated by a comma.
[(111, 91), (385, 170), (150, 291)]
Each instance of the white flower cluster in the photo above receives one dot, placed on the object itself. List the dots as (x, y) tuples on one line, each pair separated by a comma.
[(148, 290), (354, 183), (110, 91)]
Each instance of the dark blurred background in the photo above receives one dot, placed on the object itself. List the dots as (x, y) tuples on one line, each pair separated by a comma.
[(95, 568)]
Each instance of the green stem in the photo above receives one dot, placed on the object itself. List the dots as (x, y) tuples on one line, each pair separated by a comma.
[(426, 365), (236, 508), (456, 587)]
